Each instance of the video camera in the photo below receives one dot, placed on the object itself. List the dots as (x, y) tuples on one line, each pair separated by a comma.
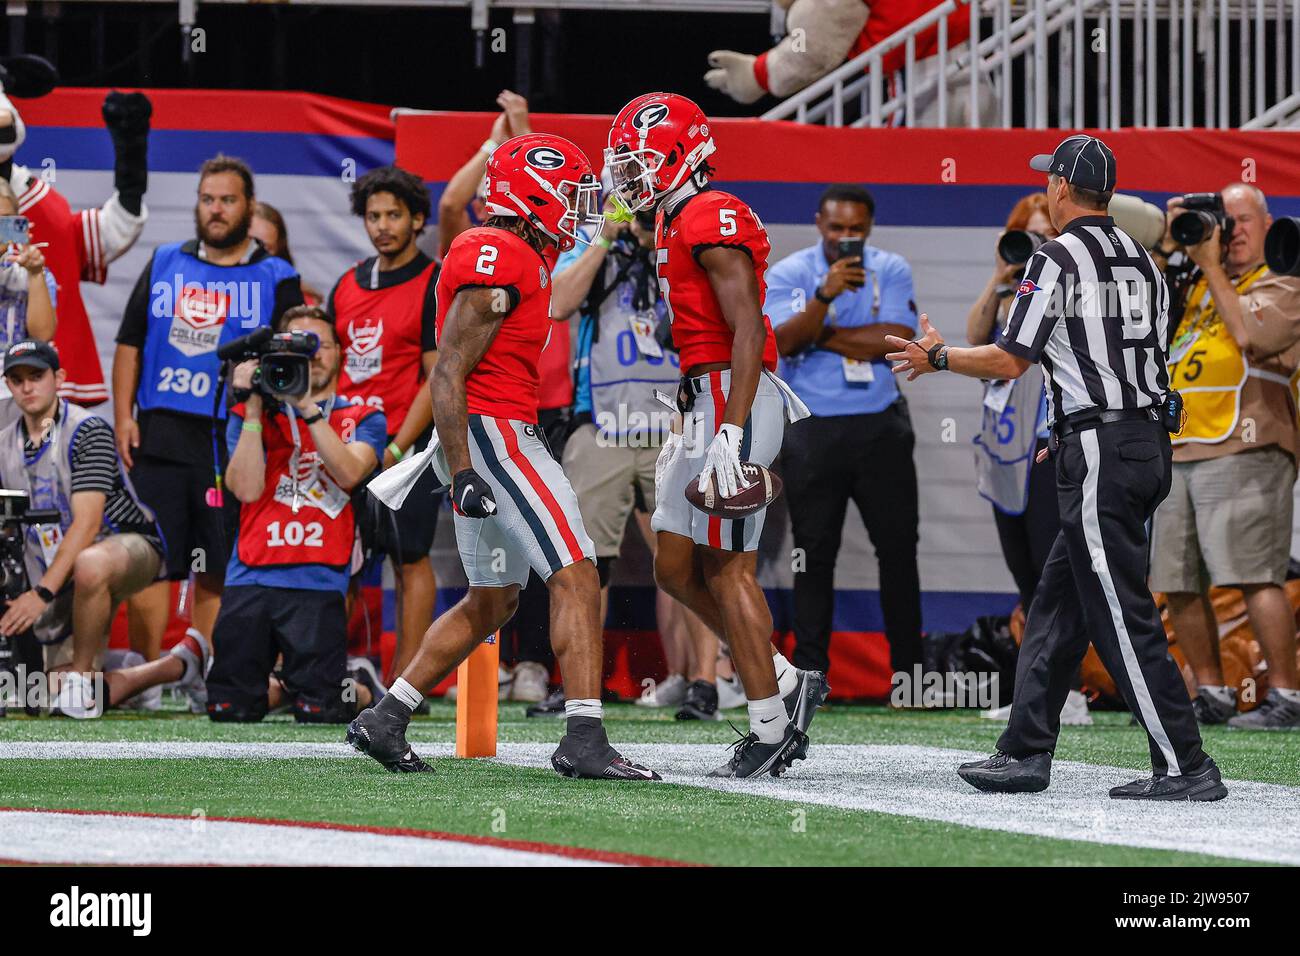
[(15, 517), (1201, 213), (284, 360)]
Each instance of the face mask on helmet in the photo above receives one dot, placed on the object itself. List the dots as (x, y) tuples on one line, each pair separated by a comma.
[(632, 173)]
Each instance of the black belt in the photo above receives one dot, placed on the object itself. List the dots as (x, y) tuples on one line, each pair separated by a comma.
[(1091, 419)]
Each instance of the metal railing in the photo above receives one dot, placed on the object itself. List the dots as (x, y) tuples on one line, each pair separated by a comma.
[(1076, 63)]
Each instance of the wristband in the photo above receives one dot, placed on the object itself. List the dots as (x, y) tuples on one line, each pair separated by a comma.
[(939, 357), (251, 427), (602, 242), (488, 145), (313, 419), (396, 452), (824, 300), (44, 593)]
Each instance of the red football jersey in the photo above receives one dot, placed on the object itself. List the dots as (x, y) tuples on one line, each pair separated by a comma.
[(504, 384), (709, 218)]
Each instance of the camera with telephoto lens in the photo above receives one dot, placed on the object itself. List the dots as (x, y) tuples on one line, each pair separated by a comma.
[(15, 517), (1201, 213), (284, 360), (1282, 246), (1017, 245)]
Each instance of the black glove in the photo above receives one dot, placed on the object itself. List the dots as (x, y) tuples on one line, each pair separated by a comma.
[(126, 116), (471, 496)]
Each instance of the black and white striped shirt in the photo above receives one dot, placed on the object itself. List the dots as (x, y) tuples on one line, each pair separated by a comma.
[(1094, 309)]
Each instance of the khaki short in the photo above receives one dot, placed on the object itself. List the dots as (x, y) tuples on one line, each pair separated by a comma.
[(605, 478), (143, 564), (1226, 522)]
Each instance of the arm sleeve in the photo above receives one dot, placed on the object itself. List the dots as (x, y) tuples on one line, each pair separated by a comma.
[(429, 316), (135, 317), (897, 294), (1033, 313), (1271, 310), (234, 425), (788, 291), (94, 458), (373, 430), (288, 293), (104, 234)]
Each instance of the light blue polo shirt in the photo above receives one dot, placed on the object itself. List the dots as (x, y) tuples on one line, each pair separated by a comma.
[(816, 375)]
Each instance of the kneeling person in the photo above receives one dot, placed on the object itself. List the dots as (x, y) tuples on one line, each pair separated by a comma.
[(105, 546), (293, 465)]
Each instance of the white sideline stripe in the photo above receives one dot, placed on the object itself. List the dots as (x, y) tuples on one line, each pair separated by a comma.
[(98, 839), (1258, 821), (1101, 567)]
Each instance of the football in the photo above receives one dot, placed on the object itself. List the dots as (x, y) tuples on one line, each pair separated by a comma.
[(762, 491)]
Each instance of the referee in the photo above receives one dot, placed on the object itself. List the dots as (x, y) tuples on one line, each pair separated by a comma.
[(1093, 308)]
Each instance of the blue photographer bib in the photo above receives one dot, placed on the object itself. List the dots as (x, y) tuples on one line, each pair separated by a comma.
[(194, 308)]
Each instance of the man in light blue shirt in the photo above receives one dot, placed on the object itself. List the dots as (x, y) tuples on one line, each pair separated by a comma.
[(831, 306)]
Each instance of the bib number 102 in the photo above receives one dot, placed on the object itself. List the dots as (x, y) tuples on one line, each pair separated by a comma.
[(295, 534)]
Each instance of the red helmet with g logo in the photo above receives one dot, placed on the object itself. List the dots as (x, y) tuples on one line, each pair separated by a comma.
[(548, 181), (657, 141)]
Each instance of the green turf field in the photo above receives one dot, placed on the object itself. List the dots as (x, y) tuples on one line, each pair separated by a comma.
[(877, 789)]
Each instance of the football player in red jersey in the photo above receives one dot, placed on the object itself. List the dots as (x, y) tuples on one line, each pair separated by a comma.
[(711, 256), (514, 507)]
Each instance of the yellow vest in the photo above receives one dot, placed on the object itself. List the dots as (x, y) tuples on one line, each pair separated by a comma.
[(1208, 368)]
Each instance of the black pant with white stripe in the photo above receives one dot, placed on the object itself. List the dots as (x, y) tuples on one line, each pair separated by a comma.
[(1109, 480)]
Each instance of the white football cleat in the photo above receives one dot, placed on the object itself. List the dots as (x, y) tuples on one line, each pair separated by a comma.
[(531, 683), (1075, 712)]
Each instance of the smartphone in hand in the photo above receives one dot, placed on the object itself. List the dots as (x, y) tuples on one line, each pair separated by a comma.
[(852, 248), (15, 229)]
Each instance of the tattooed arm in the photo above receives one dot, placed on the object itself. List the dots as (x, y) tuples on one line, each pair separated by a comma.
[(471, 324)]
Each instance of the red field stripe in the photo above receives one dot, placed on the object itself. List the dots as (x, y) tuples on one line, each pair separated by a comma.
[(528, 846), (538, 486)]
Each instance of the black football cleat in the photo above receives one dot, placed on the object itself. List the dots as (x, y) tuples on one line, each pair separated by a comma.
[(751, 757), (1210, 708), (701, 702), (810, 693), (383, 736), (1003, 773), (585, 753), (1203, 786)]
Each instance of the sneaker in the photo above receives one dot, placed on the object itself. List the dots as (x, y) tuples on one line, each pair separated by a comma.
[(552, 706), (810, 693), (1075, 712), (730, 693), (669, 692), (585, 753), (1003, 773), (1204, 785), (195, 652), (76, 697), (751, 757), (1212, 706), (149, 699), (504, 679), (1274, 712), (381, 733), (531, 682), (362, 671), (701, 702)]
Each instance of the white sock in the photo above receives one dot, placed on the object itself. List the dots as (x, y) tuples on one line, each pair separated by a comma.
[(1224, 694), (584, 708), (767, 718), (407, 694), (1289, 694), (787, 677)]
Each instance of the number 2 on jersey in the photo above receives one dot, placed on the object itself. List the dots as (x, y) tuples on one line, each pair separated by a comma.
[(488, 255)]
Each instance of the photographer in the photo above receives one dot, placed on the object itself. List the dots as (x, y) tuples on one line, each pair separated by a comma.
[(105, 546), (1227, 520), (831, 306), (294, 462)]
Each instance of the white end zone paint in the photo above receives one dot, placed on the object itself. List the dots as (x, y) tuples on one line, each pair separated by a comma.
[(1258, 821)]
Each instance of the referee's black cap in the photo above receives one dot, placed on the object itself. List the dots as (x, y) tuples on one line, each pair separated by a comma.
[(1084, 161)]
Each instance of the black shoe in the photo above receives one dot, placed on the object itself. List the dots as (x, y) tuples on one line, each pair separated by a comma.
[(1003, 773), (382, 735), (585, 754), (701, 702), (552, 706), (752, 757), (1203, 785), (1211, 709), (810, 693)]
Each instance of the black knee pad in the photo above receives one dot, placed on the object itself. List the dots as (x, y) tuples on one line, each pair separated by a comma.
[(605, 570)]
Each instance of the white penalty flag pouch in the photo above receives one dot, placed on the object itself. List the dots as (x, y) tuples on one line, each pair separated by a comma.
[(393, 485)]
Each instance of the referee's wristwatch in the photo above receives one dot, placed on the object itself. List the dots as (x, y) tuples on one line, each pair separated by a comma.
[(938, 357)]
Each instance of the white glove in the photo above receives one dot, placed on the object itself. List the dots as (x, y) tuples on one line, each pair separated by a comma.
[(722, 461), (733, 74), (667, 454)]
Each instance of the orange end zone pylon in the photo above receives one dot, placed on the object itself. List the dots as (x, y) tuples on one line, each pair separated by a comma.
[(476, 701)]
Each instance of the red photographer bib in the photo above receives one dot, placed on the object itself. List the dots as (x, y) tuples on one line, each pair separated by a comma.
[(303, 516)]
